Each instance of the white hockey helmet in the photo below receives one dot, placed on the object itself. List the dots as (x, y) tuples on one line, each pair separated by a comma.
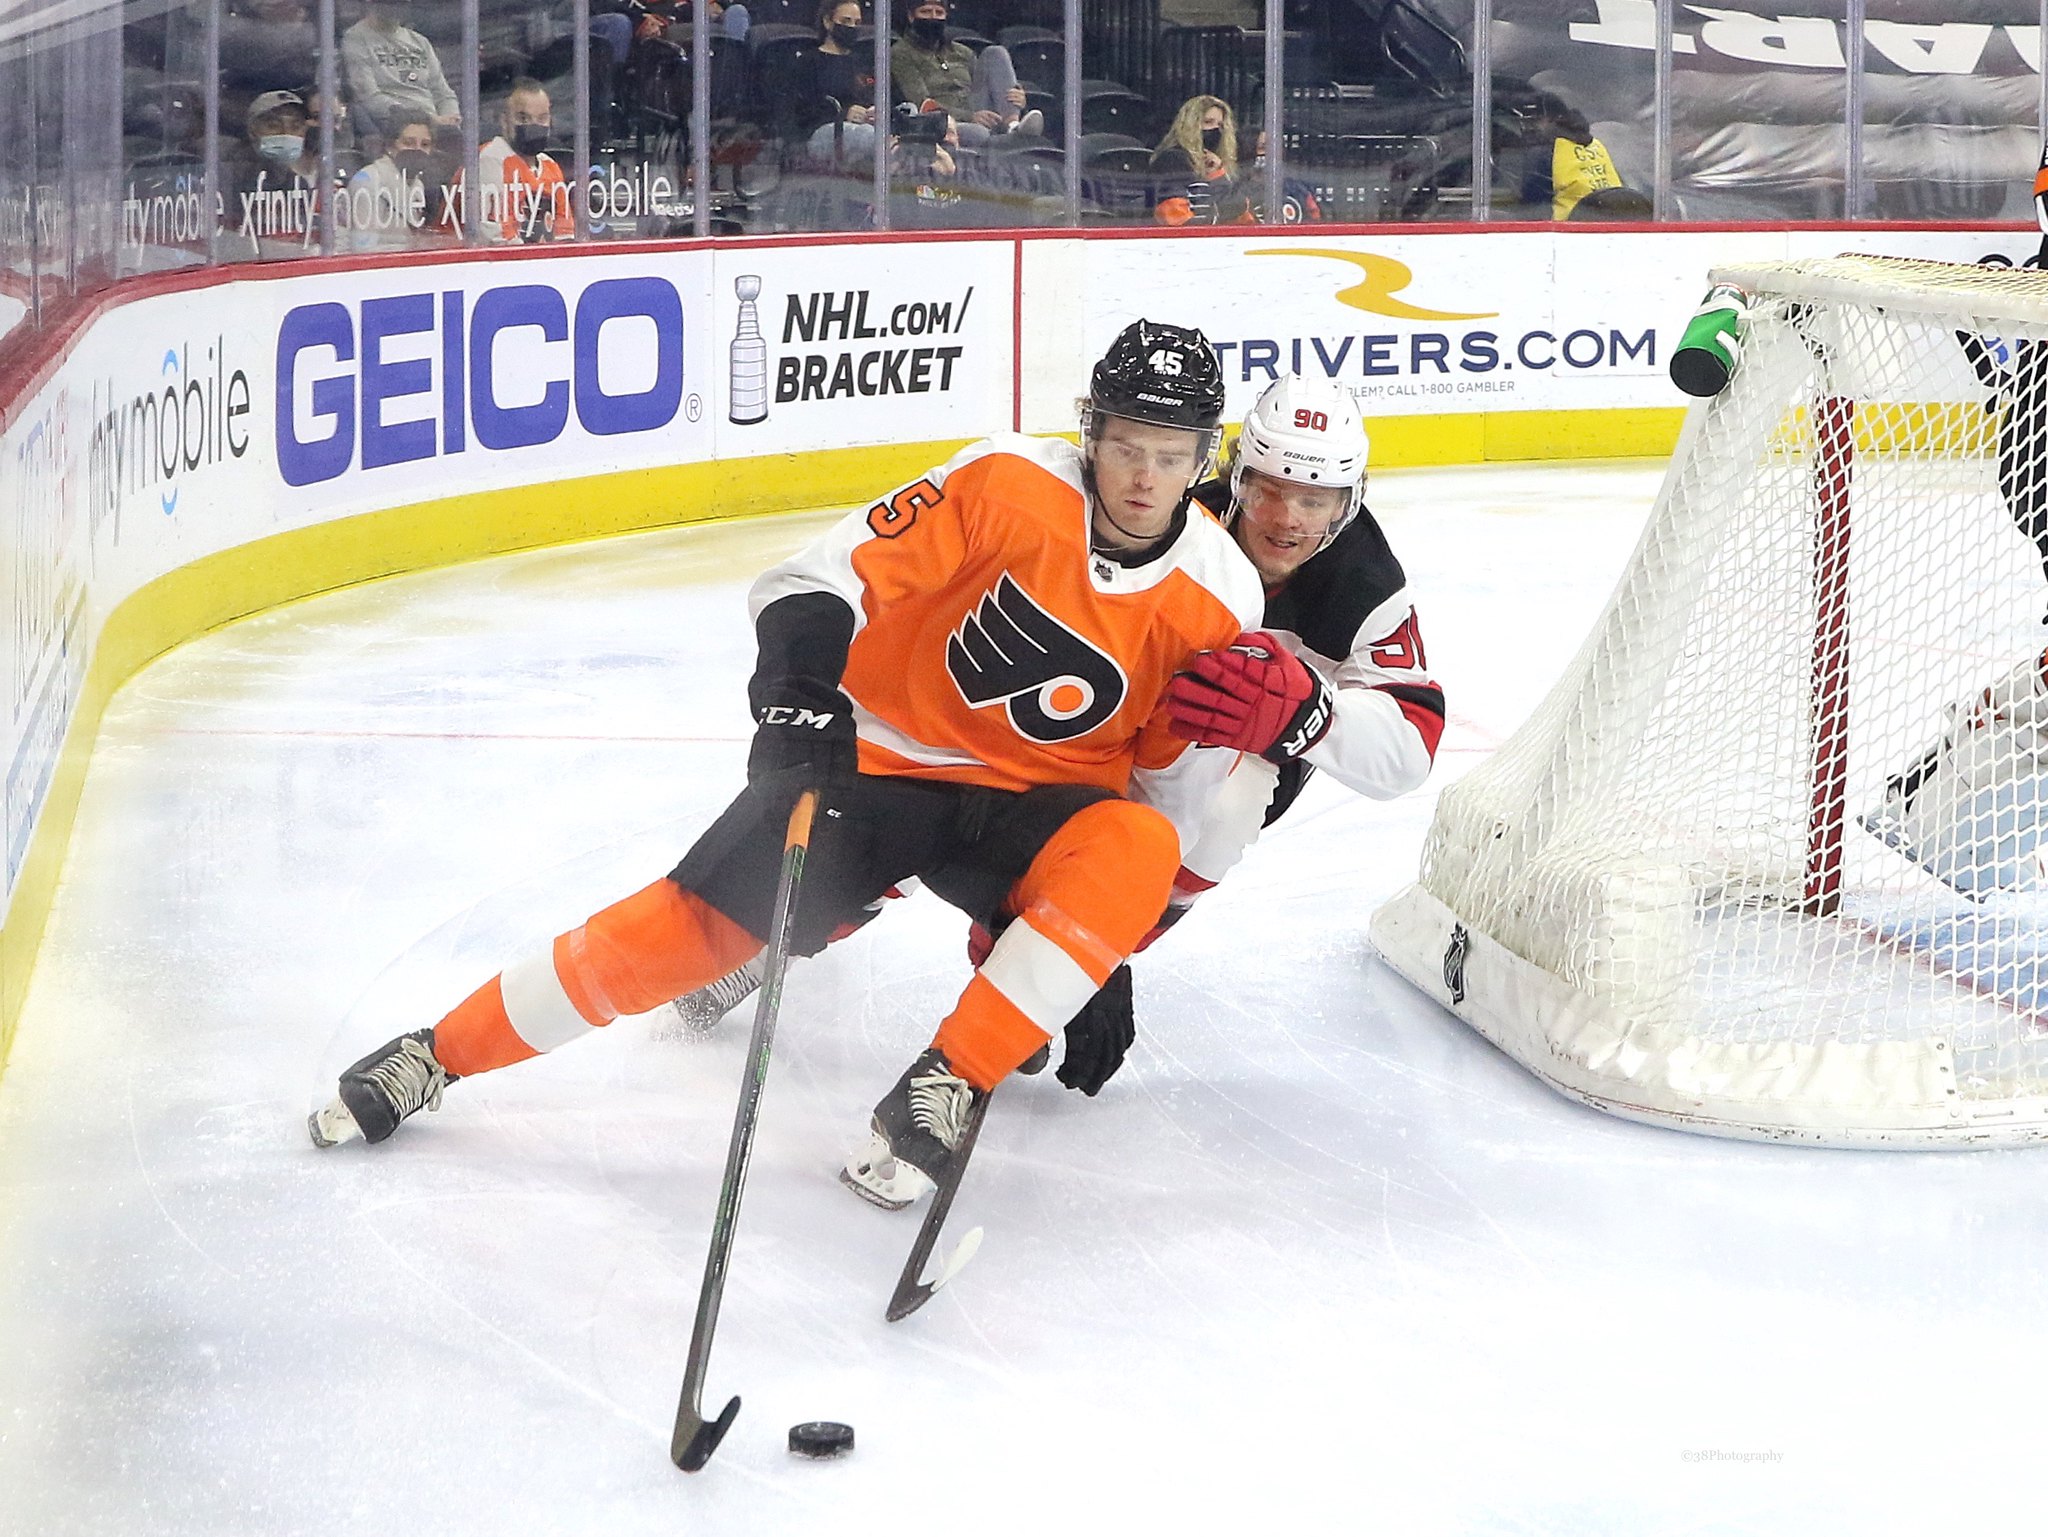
[(1307, 431)]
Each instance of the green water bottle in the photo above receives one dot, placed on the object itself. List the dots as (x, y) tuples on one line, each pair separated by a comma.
[(1712, 344)]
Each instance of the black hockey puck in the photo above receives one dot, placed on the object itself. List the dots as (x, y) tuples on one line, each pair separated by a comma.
[(820, 1438)]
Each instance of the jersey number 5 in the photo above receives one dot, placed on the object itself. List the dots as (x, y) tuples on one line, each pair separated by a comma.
[(895, 516), (1401, 650)]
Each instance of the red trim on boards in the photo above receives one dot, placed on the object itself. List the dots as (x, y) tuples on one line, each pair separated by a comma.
[(1017, 339)]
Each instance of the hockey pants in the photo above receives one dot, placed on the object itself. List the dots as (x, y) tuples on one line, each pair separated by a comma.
[(1096, 871)]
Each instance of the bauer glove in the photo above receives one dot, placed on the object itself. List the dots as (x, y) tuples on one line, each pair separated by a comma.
[(1254, 695)]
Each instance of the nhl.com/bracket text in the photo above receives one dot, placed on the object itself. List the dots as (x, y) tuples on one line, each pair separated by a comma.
[(819, 356)]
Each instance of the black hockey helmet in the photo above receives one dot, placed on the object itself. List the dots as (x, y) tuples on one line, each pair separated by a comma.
[(1162, 374)]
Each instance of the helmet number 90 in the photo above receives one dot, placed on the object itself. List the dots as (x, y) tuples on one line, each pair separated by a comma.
[(1314, 421)]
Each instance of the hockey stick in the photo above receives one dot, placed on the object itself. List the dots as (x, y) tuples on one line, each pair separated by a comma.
[(911, 1293), (695, 1438)]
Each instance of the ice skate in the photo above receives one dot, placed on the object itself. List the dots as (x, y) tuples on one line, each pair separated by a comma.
[(381, 1090), (916, 1129), (696, 1014)]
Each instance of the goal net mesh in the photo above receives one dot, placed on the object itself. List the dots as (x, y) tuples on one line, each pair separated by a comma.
[(1764, 861)]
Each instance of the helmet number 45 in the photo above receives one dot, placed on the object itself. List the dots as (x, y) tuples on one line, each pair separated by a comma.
[(1165, 361)]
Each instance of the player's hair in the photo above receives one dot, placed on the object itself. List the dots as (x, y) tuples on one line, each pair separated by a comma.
[(1184, 133)]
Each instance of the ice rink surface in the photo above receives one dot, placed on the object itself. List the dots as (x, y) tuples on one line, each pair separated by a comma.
[(1318, 1260)]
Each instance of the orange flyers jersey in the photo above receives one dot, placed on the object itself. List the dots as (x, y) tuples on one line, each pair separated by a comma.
[(991, 647)]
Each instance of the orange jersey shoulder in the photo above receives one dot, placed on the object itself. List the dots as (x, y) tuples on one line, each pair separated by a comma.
[(995, 648)]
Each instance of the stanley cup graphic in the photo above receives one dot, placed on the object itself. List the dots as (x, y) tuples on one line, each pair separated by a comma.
[(747, 399)]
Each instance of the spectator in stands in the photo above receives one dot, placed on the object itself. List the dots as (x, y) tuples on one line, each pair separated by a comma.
[(1298, 203), (319, 120), (1194, 170), (980, 91), (924, 171), (525, 196), (1570, 162), (399, 200), (394, 75), (832, 87), (270, 194)]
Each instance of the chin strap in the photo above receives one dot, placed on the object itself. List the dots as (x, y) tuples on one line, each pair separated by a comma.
[(1142, 552)]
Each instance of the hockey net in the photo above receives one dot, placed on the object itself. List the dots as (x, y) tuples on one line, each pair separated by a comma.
[(1764, 862)]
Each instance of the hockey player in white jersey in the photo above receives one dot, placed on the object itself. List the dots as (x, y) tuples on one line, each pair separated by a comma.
[(1337, 680)]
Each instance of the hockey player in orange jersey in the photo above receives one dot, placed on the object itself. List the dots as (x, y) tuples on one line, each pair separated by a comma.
[(1335, 680), (972, 670)]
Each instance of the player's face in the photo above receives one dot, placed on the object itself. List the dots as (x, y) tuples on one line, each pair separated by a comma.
[(1141, 474), (1279, 525)]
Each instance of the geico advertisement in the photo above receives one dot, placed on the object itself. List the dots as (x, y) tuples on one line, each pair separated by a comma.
[(872, 344), (1434, 324), (392, 387)]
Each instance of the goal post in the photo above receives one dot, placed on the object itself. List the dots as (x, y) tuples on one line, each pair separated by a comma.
[(1764, 861)]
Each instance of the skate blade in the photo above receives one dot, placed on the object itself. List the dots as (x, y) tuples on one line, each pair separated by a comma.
[(957, 1260), (332, 1126)]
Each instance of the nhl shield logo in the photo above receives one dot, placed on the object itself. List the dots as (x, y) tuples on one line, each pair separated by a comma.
[(1054, 685), (1454, 962)]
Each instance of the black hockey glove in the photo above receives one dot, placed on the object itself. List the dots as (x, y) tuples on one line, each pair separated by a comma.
[(804, 731), (1099, 1035)]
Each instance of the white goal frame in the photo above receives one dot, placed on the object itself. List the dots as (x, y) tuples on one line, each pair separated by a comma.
[(1579, 945)]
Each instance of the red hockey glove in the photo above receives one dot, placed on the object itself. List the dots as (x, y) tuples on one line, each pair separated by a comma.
[(1255, 696)]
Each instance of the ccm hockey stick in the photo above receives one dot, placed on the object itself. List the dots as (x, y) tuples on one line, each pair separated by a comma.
[(696, 1438), (911, 1293)]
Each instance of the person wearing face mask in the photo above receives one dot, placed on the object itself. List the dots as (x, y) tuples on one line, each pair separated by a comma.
[(393, 203), (270, 195), (831, 97), (526, 197), (1194, 170), (936, 73)]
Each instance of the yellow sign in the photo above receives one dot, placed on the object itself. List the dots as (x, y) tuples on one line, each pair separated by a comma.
[(1384, 277)]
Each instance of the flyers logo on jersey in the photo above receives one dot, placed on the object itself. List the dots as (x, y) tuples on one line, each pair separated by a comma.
[(1054, 685)]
